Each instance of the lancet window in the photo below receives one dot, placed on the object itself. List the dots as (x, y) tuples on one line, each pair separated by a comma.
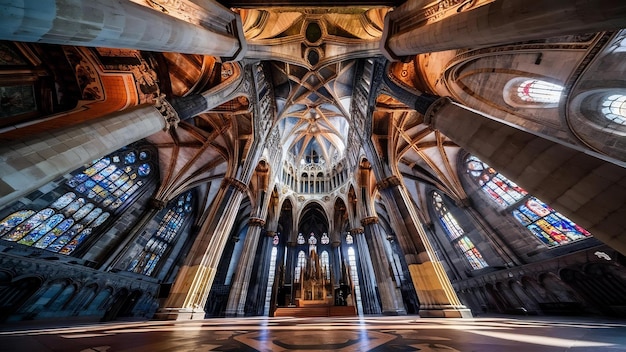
[(457, 235), (170, 227), (537, 91)]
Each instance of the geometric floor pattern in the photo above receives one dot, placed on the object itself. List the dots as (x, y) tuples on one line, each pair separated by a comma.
[(372, 333)]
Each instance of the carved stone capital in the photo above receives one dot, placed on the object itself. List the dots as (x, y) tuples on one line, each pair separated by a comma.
[(256, 222), (370, 220), (357, 230), (167, 111), (238, 185), (433, 109), (389, 182), (270, 233)]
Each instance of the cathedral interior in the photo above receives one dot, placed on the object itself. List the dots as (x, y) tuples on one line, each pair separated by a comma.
[(191, 159)]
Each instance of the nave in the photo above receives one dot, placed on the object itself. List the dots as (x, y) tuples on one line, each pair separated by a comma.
[(375, 333)]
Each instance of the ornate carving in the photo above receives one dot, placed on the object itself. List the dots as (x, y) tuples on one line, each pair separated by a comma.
[(270, 233), (238, 185), (389, 182), (253, 221), (167, 110), (369, 220), (357, 230)]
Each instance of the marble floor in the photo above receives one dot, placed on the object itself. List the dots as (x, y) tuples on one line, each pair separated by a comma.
[(378, 334)]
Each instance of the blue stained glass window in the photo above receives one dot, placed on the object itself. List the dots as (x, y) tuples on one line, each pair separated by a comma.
[(51, 236), (130, 158), (24, 228), (109, 182), (63, 201), (548, 225), (77, 240), (456, 234), (143, 155), (13, 220), (62, 240), (144, 170), (70, 219), (41, 230), (170, 227)]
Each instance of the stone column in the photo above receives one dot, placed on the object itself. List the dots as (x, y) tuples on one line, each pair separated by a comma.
[(388, 290), (436, 295), (369, 296), (191, 289), (116, 24), (587, 187), (498, 22), (239, 288), (28, 164)]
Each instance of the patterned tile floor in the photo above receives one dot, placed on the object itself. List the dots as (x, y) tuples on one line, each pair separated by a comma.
[(378, 334)]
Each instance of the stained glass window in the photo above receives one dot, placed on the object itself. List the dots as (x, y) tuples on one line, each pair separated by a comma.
[(91, 195), (270, 279), (614, 108), (537, 91), (502, 190), (456, 234), (548, 225), (299, 266), (325, 263), (301, 239), (349, 239), (111, 181), (169, 229)]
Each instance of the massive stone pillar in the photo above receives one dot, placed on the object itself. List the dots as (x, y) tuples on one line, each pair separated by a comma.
[(497, 22), (28, 164), (190, 291), (245, 267), (369, 296), (436, 295), (388, 288), (118, 24), (588, 188)]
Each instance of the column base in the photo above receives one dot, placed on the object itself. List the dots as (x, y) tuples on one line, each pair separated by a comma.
[(179, 314), (394, 312), (446, 313)]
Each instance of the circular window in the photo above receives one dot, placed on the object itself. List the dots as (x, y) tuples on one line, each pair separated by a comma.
[(614, 108)]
